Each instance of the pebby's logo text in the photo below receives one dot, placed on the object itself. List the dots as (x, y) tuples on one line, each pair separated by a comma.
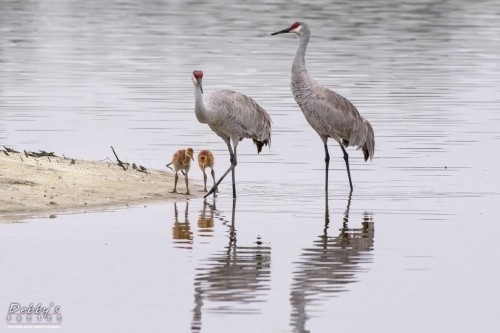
[(34, 315)]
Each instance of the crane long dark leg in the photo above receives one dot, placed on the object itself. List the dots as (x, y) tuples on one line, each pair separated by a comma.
[(213, 177), (234, 178), (346, 159), (231, 168), (327, 162)]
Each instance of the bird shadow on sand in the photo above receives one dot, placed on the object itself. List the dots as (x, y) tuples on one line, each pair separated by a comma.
[(329, 265), (232, 279)]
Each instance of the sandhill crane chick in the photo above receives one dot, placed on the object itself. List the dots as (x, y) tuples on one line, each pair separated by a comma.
[(206, 159), (182, 161)]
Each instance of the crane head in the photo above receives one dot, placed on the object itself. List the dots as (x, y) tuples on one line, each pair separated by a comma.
[(296, 28), (197, 77), (189, 153)]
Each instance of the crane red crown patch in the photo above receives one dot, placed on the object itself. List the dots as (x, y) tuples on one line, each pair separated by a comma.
[(295, 25), (198, 74)]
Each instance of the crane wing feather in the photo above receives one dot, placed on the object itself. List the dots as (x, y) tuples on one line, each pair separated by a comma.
[(237, 115)]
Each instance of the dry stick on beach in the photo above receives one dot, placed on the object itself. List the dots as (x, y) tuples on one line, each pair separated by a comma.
[(142, 169), (120, 163), (106, 159), (10, 150), (5, 152)]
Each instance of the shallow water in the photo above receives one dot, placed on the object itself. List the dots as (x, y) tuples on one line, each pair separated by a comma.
[(414, 249)]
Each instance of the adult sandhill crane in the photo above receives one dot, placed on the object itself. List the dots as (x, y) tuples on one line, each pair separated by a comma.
[(232, 116), (182, 162), (329, 114), (206, 160)]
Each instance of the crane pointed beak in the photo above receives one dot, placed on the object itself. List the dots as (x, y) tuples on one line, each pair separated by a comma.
[(284, 31), (201, 88)]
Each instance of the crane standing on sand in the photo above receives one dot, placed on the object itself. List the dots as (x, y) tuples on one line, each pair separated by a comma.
[(328, 113), (232, 116)]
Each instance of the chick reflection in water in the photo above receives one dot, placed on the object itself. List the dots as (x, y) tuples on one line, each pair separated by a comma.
[(181, 231), (206, 219), (233, 279), (330, 264)]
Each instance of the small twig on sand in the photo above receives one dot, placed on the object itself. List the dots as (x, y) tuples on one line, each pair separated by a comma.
[(49, 159), (10, 150), (120, 163), (25, 153), (21, 158), (64, 157), (142, 169), (107, 159), (5, 152), (42, 153)]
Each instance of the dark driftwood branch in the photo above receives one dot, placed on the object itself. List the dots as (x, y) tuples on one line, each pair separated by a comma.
[(120, 163), (142, 169), (42, 153), (10, 150), (5, 152)]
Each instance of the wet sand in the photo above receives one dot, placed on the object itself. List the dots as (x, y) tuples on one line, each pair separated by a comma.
[(37, 187)]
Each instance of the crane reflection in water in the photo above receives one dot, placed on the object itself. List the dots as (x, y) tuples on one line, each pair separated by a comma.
[(325, 268), (232, 279)]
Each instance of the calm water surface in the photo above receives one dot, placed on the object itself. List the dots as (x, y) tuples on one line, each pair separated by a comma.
[(413, 249)]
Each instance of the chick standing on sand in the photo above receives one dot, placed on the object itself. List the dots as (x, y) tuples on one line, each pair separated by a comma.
[(206, 159), (182, 161)]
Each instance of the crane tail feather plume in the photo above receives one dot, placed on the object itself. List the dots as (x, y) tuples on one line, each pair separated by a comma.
[(369, 146), (260, 144)]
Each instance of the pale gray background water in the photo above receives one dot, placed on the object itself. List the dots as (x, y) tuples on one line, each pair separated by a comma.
[(415, 251)]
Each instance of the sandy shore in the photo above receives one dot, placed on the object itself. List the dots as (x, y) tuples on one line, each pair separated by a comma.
[(35, 186)]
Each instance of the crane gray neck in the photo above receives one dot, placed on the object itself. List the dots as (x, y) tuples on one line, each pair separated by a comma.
[(199, 106), (299, 61)]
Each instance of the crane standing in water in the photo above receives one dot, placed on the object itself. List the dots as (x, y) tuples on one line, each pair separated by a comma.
[(234, 117), (329, 114)]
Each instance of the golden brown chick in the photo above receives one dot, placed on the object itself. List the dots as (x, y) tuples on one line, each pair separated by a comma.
[(206, 160), (182, 162)]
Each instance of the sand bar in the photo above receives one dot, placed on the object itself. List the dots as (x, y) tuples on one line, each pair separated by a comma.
[(35, 186)]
